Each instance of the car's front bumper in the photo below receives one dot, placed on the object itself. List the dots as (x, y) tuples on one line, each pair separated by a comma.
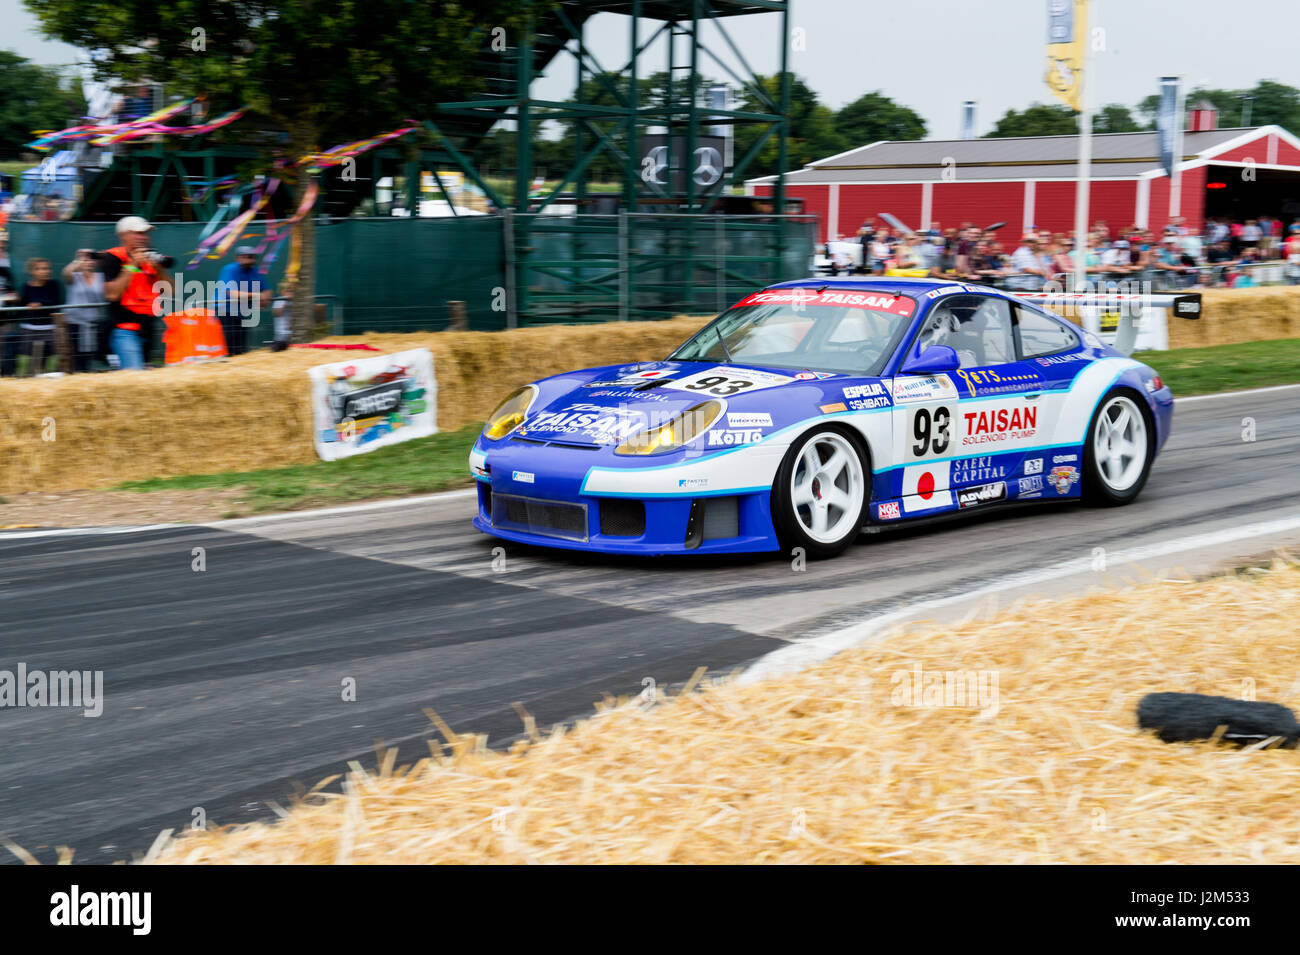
[(535, 495)]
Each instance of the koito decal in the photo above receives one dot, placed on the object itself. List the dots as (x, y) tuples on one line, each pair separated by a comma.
[(729, 436)]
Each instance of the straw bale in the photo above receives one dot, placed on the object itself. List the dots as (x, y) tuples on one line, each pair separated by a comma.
[(254, 411), (1231, 316), (833, 764)]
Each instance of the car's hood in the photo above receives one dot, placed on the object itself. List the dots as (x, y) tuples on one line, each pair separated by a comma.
[(606, 405)]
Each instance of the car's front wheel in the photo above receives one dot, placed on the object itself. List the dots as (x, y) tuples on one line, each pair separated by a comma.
[(1120, 447), (821, 492)]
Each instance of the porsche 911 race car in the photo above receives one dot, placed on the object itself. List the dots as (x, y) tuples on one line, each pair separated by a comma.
[(813, 409)]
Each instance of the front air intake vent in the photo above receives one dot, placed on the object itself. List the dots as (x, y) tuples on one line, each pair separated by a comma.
[(622, 518), (534, 516), (712, 518)]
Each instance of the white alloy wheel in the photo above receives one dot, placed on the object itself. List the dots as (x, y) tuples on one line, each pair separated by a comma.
[(827, 487), (1119, 443)]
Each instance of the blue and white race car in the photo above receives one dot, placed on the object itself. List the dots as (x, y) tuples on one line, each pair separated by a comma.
[(813, 409)]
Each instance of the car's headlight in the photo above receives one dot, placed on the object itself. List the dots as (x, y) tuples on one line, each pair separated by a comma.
[(682, 430), (510, 413)]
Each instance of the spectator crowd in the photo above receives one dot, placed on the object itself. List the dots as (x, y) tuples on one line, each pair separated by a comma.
[(1219, 256), (113, 305)]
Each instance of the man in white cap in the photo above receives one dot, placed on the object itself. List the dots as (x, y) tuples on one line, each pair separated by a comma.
[(134, 277), (239, 293)]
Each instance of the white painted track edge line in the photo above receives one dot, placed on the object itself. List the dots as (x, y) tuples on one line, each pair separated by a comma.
[(797, 656), (1235, 394), (233, 522)]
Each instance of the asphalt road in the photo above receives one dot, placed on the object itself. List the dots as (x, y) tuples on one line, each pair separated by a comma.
[(224, 686)]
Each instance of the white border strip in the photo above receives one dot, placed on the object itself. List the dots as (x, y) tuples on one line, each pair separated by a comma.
[(1225, 394), (797, 656), (235, 522)]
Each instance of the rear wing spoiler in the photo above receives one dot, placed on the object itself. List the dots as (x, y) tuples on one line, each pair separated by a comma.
[(1123, 320)]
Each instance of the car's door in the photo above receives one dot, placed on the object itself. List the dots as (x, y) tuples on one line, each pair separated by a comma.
[(963, 434), (1051, 348)]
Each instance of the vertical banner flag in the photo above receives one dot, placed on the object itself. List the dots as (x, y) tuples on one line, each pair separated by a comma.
[(1167, 122), (1066, 26), (362, 404)]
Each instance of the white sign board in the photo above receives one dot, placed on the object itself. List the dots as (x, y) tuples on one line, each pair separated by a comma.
[(361, 404)]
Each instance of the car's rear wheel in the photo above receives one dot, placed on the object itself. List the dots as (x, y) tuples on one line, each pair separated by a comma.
[(1119, 449), (821, 492)]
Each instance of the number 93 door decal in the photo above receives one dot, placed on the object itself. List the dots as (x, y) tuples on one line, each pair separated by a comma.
[(930, 433)]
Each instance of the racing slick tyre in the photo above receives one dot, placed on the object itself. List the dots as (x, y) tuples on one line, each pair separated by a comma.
[(821, 492), (1117, 450)]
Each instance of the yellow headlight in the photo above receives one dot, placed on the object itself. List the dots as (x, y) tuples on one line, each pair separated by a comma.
[(510, 413), (677, 433)]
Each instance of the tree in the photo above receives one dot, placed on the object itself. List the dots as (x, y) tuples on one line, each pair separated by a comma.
[(1114, 118), (313, 73), (1035, 120), (34, 97), (812, 133), (873, 117), (1270, 103)]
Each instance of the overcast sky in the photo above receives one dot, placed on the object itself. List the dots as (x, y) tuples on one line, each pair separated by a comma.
[(932, 54)]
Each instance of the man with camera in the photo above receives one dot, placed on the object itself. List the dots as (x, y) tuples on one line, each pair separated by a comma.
[(134, 276)]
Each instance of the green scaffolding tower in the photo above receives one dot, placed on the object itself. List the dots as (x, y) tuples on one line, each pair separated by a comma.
[(665, 245)]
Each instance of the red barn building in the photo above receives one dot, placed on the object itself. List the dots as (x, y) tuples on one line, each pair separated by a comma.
[(1030, 181)]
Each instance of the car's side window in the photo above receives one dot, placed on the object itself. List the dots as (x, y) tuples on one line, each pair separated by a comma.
[(977, 327), (1040, 335)]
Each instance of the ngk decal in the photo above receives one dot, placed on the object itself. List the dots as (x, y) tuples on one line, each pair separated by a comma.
[(997, 425)]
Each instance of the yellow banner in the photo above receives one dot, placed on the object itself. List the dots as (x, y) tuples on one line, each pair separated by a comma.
[(1067, 22)]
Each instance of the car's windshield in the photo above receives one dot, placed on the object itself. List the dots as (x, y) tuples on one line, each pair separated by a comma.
[(847, 331)]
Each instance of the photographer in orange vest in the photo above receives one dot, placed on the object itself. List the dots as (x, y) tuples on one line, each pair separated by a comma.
[(134, 276)]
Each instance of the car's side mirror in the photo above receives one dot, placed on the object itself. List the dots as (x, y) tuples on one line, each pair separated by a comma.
[(934, 359)]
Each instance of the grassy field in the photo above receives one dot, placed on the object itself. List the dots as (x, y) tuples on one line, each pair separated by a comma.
[(413, 467), (438, 463), (1202, 371)]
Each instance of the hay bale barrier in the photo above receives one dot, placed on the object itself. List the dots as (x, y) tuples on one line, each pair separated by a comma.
[(1232, 316), (254, 411), (846, 762)]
